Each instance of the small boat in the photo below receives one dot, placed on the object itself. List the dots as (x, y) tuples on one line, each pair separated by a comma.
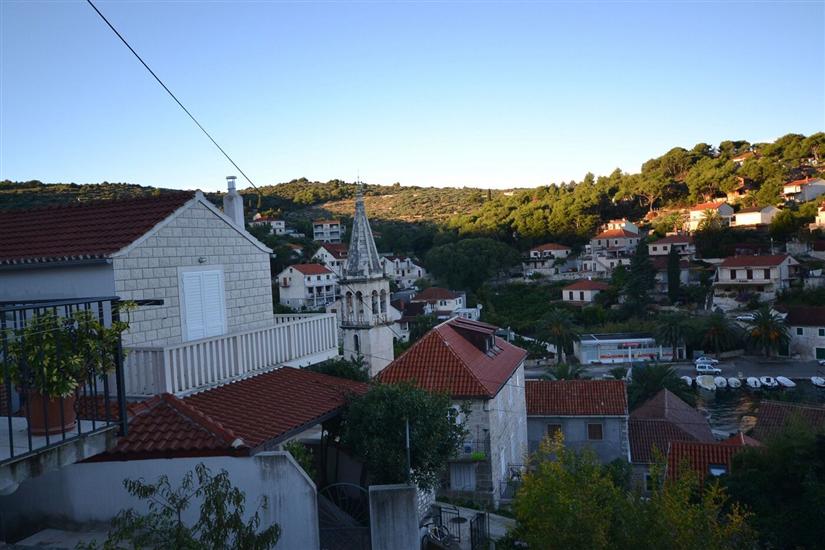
[(769, 382), (705, 382), (785, 382), (734, 382), (721, 382), (818, 381), (687, 380), (753, 382)]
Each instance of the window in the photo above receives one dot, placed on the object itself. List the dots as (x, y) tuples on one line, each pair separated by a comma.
[(463, 476), (649, 484), (732, 273), (374, 305), (821, 331), (717, 470), (553, 429), (203, 306), (570, 295), (581, 296), (356, 344), (767, 273), (594, 432), (655, 248), (383, 301), (749, 273), (800, 331)]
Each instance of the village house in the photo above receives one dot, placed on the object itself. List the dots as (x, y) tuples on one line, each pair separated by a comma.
[(656, 423), (819, 221), (705, 459), (333, 256), (761, 276), (615, 239), (403, 270), (803, 190), (307, 286), (741, 158), (276, 227), (662, 276), (683, 244), (549, 259), (550, 250), (611, 248), (775, 416), (583, 292), (744, 188), (328, 231), (622, 347), (589, 414), (703, 211), (754, 217), (622, 223), (806, 328), (467, 360), (447, 303)]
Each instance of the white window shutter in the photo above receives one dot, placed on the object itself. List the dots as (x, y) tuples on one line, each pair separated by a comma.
[(193, 306), (203, 304), (213, 303)]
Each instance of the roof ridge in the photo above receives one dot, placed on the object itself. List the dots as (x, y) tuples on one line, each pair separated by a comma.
[(203, 420), (464, 365)]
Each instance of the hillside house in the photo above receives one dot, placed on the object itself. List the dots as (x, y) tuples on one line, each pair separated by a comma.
[(744, 188), (467, 360), (447, 303), (276, 227), (583, 292), (328, 231), (703, 211), (615, 239), (622, 347), (806, 328), (819, 221), (333, 256), (762, 276), (803, 190), (661, 278), (754, 217), (683, 244), (621, 223), (307, 286), (741, 158), (550, 250), (403, 270), (589, 414), (656, 423)]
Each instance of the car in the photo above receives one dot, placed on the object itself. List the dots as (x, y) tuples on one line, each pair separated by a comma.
[(706, 359), (747, 317), (707, 368)]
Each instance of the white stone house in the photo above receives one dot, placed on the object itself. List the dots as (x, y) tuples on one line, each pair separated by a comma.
[(615, 239), (754, 217), (683, 244), (403, 270), (447, 303), (332, 255), (276, 227), (328, 231), (548, 259), (700, 213), (307, 286), (803, 190), (467, 360), (608, 250), (553, 251), (583, 292), (806, 328), (622, 223), (762, 276)]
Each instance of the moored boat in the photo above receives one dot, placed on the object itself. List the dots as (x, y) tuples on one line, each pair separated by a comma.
[(785, 382), (753, 382), (769, 382), (687, 380), (705, 382), (818, 381), (734, 382), (721, 382)]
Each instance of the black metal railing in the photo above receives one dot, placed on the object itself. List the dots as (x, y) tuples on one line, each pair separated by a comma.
[(477, 448), (61, 373)]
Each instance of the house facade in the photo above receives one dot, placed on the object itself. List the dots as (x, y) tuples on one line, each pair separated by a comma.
[(803, 190), (762, 276), (328, 231), (754, 217), (623, 347), (403, 270), (701, 212), (589, 414), (550, 250), (683, 244), (307, 286), (806, 328), (276, 227), (467, 360), (333, 256), (447, 303), (662, 276), (583, 292)]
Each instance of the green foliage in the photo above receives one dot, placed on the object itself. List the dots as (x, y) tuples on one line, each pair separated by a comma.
[(565, 371), (802, 297), (717, 333), (535, 349), (518, 306), (767, 331), (672, 330), (648, 380), (674, 280), (303, 456), (352, 369), (557, 328), (640, 281), (618, 373), (220, 523), (374, 428), (783, 484), (470, 262)]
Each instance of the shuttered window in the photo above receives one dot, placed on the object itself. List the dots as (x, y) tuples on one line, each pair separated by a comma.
[(203, 306)]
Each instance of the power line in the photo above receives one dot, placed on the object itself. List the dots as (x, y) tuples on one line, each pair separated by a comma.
[(173, 96)]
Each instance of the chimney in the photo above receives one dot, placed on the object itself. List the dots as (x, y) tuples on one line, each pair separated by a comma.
[(233, 203)]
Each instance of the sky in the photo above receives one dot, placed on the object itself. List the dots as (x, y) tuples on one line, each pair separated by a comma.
[(487, 94)]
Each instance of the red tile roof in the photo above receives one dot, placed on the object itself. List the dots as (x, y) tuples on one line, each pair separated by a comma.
[(699, 457), (446, 359), (82, 231), (805, 316), (741, 440), (435, 293), (713, 205), (801, 182), (649, 436), (235, 418), (617, 234), (674, 239), (337, 250), (754, 261), (773, 416), (587, 285), (311, 269), (551, 246), (576, 397)]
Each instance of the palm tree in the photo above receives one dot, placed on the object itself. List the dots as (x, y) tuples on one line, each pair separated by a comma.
[(719, 333), (767, 331), (672, 330), (648, 380), (556, 327), (564, 371)]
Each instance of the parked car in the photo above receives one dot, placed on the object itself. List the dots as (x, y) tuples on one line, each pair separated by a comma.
[(707, 368), (746, 317), (706, 359)]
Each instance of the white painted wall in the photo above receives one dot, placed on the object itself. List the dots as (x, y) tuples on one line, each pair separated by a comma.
[(93, 492)]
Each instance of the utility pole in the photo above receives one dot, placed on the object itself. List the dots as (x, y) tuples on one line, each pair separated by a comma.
[(409, 468)]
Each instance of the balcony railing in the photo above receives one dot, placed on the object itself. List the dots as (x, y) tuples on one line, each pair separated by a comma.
[(477, 448), (181, 368), (61, 379)]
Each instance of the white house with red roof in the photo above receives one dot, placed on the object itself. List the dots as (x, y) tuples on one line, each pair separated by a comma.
[(447, 303), (806, 328), (549, 259), (761, 276), (307, 287), (403, 270), (467, 360), (620, 223), (583, 292), (332, 255), (589, 414), (550, 250), (803, 190), (276, 226), (754, 216), (701, 212), (682, 243), (610, 249)]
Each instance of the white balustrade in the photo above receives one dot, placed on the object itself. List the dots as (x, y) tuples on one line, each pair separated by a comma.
[(185, 367)]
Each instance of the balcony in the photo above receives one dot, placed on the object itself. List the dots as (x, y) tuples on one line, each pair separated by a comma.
[(61, 385), (291, 340), (474, 449)]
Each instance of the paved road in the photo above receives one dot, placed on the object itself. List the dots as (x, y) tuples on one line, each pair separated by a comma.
[(739, 366)]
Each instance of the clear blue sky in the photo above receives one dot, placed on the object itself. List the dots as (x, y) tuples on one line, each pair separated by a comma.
[(489, 94)]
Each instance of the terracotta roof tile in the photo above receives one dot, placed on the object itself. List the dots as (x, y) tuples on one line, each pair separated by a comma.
[(310, 269), (648, 436), (587, 285), (447, 360), (551, 246), (81, 231), (773, 416), (617, 234), (699, 457), (337, 250), (805, 316), (576, 398), (754, 261), (674, 239), (713, 205)]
